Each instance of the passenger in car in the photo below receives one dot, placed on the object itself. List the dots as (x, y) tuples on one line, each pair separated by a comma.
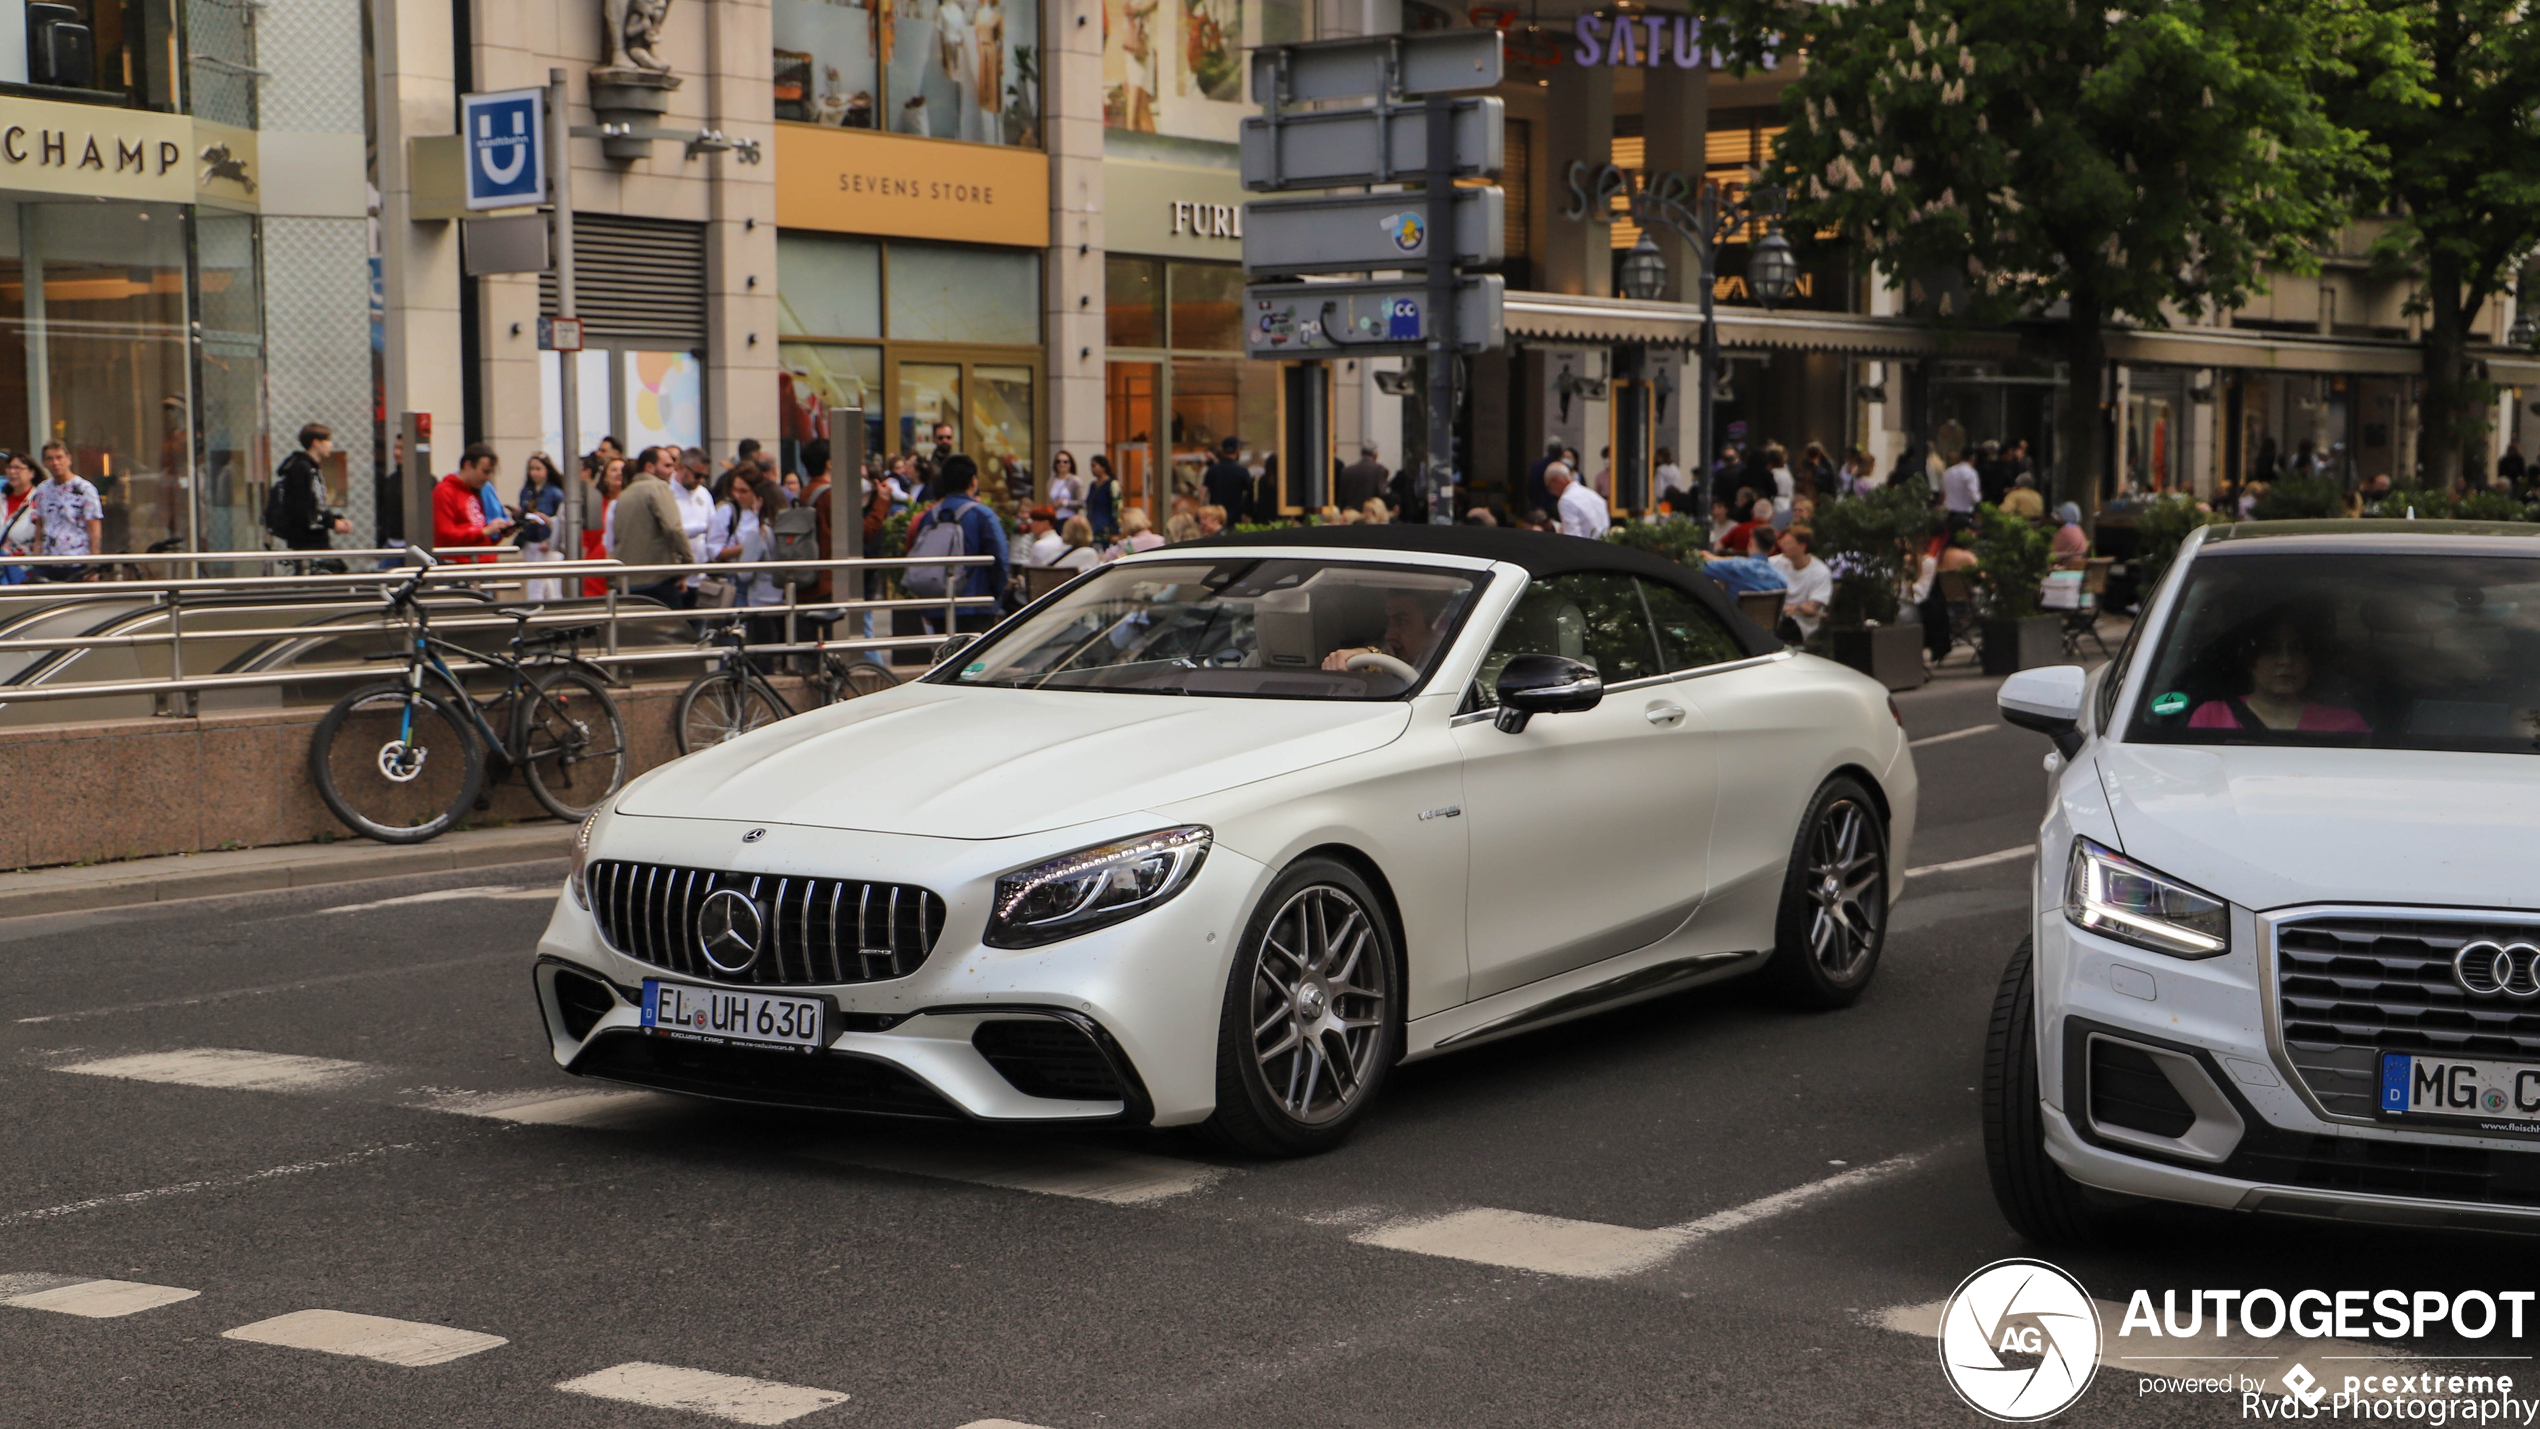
[(2278, 656)]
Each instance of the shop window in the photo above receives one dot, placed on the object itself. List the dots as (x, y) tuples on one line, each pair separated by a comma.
[(665, 399), (930, 396), (1132, 297), (1001, 426), (828, 286), (941, 69), (1214, 399), (1176, 67), (972, 295), (1208, 307), (817, 381), (120, 52), (1129, 390)]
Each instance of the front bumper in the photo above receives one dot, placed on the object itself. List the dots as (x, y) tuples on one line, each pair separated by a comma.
[(1140, 999), (2256, 1143)]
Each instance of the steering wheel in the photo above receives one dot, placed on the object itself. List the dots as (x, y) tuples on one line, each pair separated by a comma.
[(1379, 660)]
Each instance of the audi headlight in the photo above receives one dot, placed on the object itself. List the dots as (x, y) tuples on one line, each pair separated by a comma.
[(2109, 893), (581, 860), (1093, 887)]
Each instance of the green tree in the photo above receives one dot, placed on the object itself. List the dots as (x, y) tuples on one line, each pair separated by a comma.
[(2135, 162), (2444, 91)]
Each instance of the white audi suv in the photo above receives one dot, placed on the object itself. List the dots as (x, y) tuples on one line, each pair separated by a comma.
[(2285, 952)]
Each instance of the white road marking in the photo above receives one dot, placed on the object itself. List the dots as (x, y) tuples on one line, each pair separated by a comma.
[(609, 1111), (1953, 734), (224, 995), (1782, 1202), (725, 1396), (999, 1424), (1982, 860), (99, 1299), (370, 1337), (231, 1068), (1122, 1178), (491, 891), (1520, 1241), (182, 1188), (1592, 1250)]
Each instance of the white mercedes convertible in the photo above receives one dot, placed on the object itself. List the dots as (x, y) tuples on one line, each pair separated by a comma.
[(1220, 833)]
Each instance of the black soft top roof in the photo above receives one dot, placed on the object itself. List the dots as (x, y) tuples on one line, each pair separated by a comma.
[(1540, 553)]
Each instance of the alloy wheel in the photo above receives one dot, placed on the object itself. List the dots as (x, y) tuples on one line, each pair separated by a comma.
[(1318, 1005), (1847, 888)]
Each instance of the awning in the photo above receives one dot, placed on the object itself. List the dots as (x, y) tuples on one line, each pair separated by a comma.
[(2246, 350), (1560, 317)]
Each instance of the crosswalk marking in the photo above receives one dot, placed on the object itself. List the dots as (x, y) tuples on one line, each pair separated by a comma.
[(94, 1299), (1121, 1178), (724, 1396), (229, 1067), (370, 1337), (1765, 1207), (1521, 1241), (503, 892), (999, 1424), (601, 1111)]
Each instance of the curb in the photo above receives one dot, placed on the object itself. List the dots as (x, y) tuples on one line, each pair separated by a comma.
[(210, 875)]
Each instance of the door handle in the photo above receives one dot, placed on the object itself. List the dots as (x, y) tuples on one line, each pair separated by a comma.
[(1666, 714)]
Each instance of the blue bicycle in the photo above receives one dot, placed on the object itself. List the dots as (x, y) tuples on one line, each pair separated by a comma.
[(403, 760)]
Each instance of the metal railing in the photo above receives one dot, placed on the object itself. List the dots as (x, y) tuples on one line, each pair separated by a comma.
[(613, 612)]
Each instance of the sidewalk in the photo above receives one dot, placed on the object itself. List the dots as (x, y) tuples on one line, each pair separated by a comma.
[(204, 875)]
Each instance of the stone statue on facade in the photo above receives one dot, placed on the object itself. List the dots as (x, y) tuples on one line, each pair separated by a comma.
[(631, 31)]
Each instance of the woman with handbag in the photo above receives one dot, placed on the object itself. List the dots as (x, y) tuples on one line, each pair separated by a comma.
[(541, 499)]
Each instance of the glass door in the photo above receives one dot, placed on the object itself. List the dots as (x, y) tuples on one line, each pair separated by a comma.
[(1129, 397)]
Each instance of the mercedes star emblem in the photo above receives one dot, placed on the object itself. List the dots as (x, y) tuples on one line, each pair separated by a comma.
[(728, 927), (753, 836)]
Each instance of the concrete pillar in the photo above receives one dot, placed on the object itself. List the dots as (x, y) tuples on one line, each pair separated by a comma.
[(419, 262), (1579, 128), (1072, 286), (1675, 117), (740, 226)]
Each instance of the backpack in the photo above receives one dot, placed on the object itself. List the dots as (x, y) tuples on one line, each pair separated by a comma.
[(793, 534), (942, 537), (278, 509)]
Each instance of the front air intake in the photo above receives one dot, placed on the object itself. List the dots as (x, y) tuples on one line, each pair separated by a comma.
[(2127, 1089)]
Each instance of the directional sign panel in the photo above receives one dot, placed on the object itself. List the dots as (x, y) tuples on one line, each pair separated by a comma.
[(1369, 232), (1381, 319), (1438, 62), (1329, 149), (503, 136)]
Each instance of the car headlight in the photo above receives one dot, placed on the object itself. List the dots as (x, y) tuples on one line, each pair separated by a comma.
[(2109, 893), (582, 859), (1093, 887)]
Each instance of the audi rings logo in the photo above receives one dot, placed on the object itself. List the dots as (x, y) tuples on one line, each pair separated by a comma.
[(2485, 969), (2019, 1340), (728, 927)]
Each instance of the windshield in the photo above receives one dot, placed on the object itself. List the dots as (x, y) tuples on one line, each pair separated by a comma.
[(1238, 626), (2414, 651)]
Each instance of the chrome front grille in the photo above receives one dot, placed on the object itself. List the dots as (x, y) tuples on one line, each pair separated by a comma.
[(813, 931), (2351, 986)]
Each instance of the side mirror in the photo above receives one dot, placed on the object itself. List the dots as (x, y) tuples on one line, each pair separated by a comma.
[(953, 645), (2048, 701), (1545, 684), (421, 556)]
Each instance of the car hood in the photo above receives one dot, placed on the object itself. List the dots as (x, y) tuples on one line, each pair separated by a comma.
[(2266, 828), (948, 762)]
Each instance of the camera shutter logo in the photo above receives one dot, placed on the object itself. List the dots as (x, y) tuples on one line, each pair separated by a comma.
[(728, 930), (2019, 1341)]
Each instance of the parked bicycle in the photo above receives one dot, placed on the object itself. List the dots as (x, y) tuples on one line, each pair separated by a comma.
[(734, 698), (402, 761)]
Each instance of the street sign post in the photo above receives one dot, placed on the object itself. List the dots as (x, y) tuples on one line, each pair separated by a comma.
[(559, 334), (1415, 128), (1382, 318), (503, 135), (1370, 233)]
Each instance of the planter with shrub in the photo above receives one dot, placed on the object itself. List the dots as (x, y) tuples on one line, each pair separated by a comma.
[(1870, 542), (2012, 559)]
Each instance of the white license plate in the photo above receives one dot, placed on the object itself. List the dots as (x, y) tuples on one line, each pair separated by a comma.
[(714, 1014), (2456, 1086)]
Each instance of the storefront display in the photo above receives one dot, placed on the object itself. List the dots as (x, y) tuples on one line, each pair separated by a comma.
[(940, 69)]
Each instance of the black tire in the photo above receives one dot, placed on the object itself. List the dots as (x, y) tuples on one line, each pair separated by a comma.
[(1271, 1098), (1833, 919), (571, 742), (389, 780), (2037, 1198), (720, 706)]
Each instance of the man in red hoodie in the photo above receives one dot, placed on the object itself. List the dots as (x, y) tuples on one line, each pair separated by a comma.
[(458, 503)]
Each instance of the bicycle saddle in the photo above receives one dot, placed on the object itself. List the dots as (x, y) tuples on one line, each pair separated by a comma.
[(519, 612)]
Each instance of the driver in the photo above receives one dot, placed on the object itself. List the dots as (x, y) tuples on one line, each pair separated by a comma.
[(1412, 625), (2277, 656)]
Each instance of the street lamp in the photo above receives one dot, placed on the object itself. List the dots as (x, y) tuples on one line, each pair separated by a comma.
[(1644, 270), (2525, 330), (1772, 272)]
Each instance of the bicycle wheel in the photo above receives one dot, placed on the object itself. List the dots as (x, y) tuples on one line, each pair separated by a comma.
[(396, 765), (723, 705), (846, 679), (570, 742)]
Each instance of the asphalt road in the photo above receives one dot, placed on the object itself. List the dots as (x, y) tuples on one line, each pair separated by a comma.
[(1705, 1210)]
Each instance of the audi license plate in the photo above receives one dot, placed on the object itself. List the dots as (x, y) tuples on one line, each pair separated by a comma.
[(714, 1014), (2457, 1087)]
